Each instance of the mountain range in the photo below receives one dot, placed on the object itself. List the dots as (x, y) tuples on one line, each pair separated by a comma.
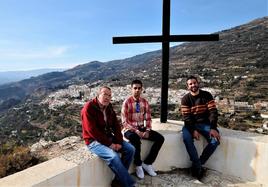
[(15, 76), (237, 64), (241, 51)]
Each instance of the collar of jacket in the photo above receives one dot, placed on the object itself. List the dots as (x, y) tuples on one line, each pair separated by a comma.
[(97, 106)]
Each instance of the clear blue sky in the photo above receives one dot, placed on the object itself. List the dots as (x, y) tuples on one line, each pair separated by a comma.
[(63, 33)]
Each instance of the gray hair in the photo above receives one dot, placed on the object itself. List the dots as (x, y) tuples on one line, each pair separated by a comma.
[(103, 87)]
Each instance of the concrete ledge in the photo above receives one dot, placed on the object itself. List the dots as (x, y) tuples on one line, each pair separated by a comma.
[(62, 171), (91, 173), (39, 173), (240, 154), (173, 152)]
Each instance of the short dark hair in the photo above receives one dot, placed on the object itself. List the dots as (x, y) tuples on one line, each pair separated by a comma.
[(191, 77), (136, 82)]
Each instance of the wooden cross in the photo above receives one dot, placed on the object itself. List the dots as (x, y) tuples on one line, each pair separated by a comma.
[(165, 38)]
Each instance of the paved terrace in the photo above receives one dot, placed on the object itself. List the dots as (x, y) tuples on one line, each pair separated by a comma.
[(182, 178), (240, 160)]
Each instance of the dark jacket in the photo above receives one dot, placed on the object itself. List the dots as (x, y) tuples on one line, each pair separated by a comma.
[(95, 128)]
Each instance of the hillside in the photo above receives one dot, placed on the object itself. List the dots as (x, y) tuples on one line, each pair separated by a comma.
[(241, 52), (36, 87), (236, 65)]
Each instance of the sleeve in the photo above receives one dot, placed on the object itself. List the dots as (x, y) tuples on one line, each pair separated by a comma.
[(89, 124), (188, 118), (116, 128), (147, 116), (213, 112), (125, 117)]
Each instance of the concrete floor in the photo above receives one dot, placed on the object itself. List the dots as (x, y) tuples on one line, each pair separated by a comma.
[(182, 178)]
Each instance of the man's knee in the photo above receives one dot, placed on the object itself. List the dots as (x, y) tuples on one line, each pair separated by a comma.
[(130, 148), (156, 137), (161, 139)]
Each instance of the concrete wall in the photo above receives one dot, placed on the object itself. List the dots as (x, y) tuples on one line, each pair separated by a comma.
[(240, 154)]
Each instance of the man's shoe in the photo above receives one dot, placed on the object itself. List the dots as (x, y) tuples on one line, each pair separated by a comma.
[(149, 169), (201, 173), (116, 183), (198, 173), (139, 172)]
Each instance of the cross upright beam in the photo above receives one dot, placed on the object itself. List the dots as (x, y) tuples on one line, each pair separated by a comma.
[(165, 39)]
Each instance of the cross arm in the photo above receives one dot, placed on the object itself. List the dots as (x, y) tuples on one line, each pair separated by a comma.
[(194, 38), (171, 38), (136, 39)]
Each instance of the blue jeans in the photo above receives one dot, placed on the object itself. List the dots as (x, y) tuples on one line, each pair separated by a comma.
[(113, 160), (188, 140)]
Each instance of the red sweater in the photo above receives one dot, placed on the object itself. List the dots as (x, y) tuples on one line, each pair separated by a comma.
[(95, 128)]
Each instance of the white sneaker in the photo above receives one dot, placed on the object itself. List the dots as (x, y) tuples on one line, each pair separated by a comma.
[(139, 172), (149, 169)]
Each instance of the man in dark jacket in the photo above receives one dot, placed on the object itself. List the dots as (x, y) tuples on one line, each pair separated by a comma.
[(102, 135), (200, 118)]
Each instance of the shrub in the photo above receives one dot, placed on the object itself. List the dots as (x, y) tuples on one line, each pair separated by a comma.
[(16, 160)]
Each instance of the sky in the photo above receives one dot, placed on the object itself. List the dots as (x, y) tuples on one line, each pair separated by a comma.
[(37, 34)]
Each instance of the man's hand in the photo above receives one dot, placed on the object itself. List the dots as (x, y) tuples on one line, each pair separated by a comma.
[(145, 134), (139, 133), (196, 135), (215, 134), (142, 134), (112, 146), (115, 147), (118, 147)]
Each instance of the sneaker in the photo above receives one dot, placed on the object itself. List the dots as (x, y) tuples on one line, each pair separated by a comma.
[(149, 169), (139, 172)]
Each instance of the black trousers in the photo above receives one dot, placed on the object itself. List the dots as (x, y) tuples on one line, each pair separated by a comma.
[(135, 140)]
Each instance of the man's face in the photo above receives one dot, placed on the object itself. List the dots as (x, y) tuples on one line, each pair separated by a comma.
[(105, 96), (192, 85), (136, 90)]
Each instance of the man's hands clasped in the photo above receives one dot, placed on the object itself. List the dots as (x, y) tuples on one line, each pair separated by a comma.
[(142, 134), (213, 133), (115, 147)]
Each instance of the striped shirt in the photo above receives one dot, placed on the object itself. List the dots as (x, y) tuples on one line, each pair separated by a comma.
[(135, 114), (199, 109)]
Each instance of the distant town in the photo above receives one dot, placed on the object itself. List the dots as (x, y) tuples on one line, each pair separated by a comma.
[(233, 114)]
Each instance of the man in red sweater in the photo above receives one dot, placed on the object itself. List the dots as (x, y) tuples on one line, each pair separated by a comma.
[(102, 135)]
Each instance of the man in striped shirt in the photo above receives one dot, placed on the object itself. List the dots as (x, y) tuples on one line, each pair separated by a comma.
[(200, 118), (136, 119)]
